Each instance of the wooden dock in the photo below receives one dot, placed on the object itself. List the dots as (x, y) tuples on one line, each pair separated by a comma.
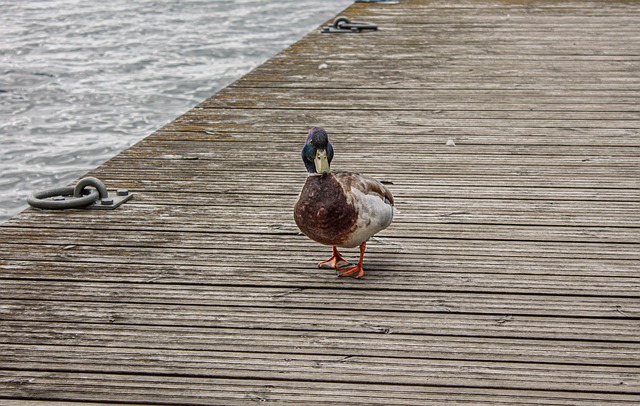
[(511, 274)]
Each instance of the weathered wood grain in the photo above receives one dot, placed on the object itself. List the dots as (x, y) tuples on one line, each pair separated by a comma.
[(427, 210), (192, 390), (511, 274), (411, 100), (234, 152), (594, 277), (337, 368), (336, 320), (240, 220), (323, 298), (383, 120), (365, 344), (256, 242)]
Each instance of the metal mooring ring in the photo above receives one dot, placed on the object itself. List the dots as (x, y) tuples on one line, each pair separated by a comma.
[(68, 201), (96, 183), (344, 24), (339, 21)]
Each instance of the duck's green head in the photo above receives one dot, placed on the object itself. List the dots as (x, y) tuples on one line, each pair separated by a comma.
[(317, 152)]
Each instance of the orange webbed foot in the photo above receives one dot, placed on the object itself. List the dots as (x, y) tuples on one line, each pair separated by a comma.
[(355, 270), (336, 261)]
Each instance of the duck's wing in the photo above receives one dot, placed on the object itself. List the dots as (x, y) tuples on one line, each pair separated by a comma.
[(365, 184), (372, 203)]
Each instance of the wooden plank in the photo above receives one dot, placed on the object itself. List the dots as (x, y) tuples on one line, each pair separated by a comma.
[(309, 70), (365, 344), (379, 370), (470, 193), (239, 220), (383, 322), (191, 390), (438, 154), (383, 119), (467, 274), (323, 298), (528, 6), (213, 179), (435, 210), (480, 148), (452, 249), (525, 137), (407, 100)]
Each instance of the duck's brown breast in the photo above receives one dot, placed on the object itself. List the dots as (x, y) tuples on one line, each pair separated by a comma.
[(323, 212)]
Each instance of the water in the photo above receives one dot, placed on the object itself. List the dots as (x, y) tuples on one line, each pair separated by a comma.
[(81, 80)]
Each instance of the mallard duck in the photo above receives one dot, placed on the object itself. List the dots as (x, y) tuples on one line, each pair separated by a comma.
[(337, 208)]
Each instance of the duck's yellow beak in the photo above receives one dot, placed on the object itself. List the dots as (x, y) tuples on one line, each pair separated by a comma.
[(322, 162)]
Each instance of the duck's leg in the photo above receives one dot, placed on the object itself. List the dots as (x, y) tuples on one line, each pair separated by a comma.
[(357, 268), (336, 260)]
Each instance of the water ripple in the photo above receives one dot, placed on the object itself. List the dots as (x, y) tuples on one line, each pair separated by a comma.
[(81, 80)]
